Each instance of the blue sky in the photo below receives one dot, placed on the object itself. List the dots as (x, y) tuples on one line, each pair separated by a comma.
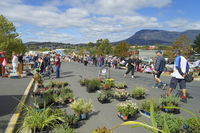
[(82, 21)]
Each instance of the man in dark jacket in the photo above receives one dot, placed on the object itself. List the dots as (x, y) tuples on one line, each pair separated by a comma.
[(158, 69), (130, 64)]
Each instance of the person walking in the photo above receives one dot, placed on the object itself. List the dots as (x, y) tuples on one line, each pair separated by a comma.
[(130, 66), (15, 62), (57, 65), (158, 69), (181, 68)]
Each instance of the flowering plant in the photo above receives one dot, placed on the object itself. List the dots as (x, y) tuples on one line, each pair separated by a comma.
[(110, 82), (121, 94), (127, 108)]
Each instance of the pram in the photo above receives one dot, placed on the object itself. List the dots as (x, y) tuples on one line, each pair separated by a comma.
[(104, 72)]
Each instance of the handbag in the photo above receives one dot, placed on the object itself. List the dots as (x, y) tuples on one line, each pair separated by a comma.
[(189, 77)]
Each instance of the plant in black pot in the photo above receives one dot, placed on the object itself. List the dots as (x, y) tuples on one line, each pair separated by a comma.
[(35, 121), (175, 124), (139, 93), (83, 82), (121, 95), (104, 97), (145, 107), (82, 108), (63, 129), (71, 120), (170, 101), (93, 85), (121, 86), (193, 124)]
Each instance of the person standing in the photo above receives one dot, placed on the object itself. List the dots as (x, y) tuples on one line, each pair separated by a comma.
[(20, 66), (181, 68), (85, 60), (57, 65), (14, 62), (158, 69), (130, 64)]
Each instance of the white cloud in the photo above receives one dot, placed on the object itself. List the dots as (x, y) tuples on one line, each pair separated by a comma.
[(52, 36), (112, 19), (183, 24)]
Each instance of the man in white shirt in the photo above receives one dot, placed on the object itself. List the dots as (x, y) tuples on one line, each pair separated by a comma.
[(14, 62), (181, 67)]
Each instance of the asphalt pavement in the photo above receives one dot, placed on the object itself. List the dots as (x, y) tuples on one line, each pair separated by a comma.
[(11, 91), (106, 114)]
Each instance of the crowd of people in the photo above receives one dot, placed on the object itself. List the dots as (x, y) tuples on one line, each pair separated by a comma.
[(46, 64)]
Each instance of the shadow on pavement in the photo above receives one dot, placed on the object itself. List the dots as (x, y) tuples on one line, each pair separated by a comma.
[(8, 104)]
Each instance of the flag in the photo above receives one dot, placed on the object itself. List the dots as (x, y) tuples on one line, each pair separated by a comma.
[(4, 63)]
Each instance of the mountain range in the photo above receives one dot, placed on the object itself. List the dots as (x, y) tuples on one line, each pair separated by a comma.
[(152, 37), (142, 37)]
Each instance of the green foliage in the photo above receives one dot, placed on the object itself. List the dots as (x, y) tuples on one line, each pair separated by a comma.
[(9, 39), (121, 85), (127, 108), (34, 120), (103, 47), (102, 130), (83, 82), (196, 45), (194, 124), (121, 95), (62, 129), (104, 96), (170, 101), (93, 85), (121, 49), (71, 120), (174, 123), (110, 82), (139, 92), (183, 44), (80, 106), (44, 49), (145, 105)]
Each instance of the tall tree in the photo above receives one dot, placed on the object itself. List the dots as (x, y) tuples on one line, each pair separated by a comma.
[(104, 47), (121, 49), (9, 38), (183, 44), (197, 44)]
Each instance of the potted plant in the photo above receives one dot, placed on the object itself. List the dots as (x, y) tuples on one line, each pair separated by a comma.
[(93, 85), (110, 82), (104, 97), (35, 121), (127, 109), (102, 130), (175, 124), (170, 101), (50, 84), (106, 86), (82, 108), (121, 86), (71, 120), (193, 124), (83, 82), (63, 129), (121, 95), (145, 107), (139, 93)]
